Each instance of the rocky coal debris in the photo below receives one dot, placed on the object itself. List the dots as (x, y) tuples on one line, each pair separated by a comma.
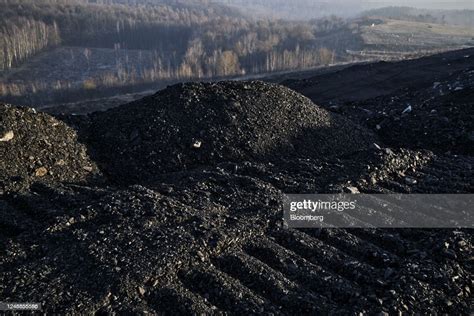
[(443, 123), (35, 147), (194, 124), (187, 218), (428, 105), (211, 240)]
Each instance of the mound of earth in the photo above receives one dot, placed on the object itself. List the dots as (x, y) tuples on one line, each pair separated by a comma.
[(35, 147), (194, 124)]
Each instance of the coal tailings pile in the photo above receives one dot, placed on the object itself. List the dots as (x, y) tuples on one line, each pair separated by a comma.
[(188, 216), (195, 124), (439, 118), (410, 119), (35, 147)]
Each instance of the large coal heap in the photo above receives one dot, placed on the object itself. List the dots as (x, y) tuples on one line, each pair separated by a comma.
[(210, 240), (35, 147), (194, 124)]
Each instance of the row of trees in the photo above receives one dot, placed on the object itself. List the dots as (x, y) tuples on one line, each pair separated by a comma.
[(166, 25), (23, 38), (179, 39)]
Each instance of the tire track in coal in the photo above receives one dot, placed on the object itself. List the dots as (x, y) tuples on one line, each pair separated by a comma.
[(176, 298), (389, 241), (224, 291), (329, 257), (362, 250), (301, 271), (273, 285)]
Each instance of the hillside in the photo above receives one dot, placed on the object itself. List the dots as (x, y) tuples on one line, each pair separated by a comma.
[(172, 203), (54, 52), (296, 9)]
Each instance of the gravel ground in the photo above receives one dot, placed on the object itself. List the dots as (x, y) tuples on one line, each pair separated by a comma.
[(186, 216)]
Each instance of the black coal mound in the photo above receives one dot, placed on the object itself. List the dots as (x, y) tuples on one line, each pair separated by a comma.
[(194, 124), (35, 147)]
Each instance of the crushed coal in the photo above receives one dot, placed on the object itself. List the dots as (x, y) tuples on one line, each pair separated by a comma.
[(440, 120), (443, 125), (35, 147), (194, 124), (204, 233), (210, 239), (431, 107)]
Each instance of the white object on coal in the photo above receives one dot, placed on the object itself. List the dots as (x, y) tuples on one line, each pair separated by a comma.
[(7, 137), (407, 110)]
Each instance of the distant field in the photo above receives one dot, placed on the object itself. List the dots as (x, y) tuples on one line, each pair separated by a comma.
[(407, 35)]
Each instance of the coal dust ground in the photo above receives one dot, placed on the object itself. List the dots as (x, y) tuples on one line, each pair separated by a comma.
[(173, 204)]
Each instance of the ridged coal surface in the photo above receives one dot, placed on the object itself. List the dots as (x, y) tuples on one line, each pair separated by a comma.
[(211, 240)]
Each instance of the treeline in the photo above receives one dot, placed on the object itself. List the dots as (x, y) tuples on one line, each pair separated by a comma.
[(165, 26), (185, 39), (22, 38), (295, 9)]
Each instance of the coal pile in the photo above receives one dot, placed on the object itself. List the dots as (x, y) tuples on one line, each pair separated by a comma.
[(35, 147), (440, 118), (194, 124), (427, 105), (187, 219), (442, 123)]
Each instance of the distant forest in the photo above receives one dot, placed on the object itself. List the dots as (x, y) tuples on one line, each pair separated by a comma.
[(297, 9), (188, 38), (112, 44)]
